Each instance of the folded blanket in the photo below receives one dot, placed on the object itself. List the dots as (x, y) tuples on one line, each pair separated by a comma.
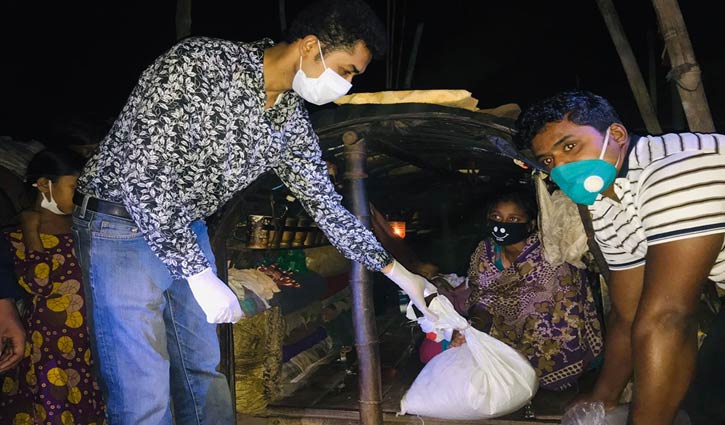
[(303, 317), (254, 280), (293, 373), (289, 351)]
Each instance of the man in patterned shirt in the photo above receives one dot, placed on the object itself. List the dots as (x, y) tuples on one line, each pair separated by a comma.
[(204, 121), (658, 211)]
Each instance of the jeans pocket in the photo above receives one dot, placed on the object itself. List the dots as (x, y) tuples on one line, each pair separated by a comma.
[(117, 230)]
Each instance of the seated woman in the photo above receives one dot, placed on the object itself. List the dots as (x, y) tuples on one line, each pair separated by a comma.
[(544, 311)]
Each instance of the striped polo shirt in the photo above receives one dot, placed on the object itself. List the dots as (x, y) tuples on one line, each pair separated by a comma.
[(670, 187)]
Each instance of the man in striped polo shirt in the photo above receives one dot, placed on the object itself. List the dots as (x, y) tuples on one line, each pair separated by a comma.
[(657, 205)]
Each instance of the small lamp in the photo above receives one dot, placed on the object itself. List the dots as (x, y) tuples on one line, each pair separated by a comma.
[(398, 228)]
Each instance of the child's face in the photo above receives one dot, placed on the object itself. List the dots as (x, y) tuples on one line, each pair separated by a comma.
[(508, 212), (62, 189)]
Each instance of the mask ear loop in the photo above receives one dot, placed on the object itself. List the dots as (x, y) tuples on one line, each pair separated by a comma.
[(604, 147), (50, 188), (322, 57), (50, 191), (319, 46)]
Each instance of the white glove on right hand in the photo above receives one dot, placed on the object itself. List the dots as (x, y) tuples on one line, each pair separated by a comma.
[(417, 287), (215, 298)]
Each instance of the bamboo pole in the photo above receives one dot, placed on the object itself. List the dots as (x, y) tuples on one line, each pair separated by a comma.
[(363, 311), (685, 70), (631, 68), (652, 68), (408, 82), (282, 15), (183, 18), (220, 226)]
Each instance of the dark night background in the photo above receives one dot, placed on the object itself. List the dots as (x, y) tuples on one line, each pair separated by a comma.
[(81, 59)]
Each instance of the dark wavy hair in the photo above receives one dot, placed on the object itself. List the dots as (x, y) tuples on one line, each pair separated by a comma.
[(523, 198), (53, 163), (580, 107), (339, 24)]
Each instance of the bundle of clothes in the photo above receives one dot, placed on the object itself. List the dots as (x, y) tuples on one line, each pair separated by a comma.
[(297, 306)]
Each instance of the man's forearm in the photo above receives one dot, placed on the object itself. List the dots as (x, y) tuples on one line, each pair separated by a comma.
[(664, 336), (664, 360), (617, 367)]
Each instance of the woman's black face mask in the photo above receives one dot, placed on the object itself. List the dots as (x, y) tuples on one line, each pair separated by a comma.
[(508, 233)]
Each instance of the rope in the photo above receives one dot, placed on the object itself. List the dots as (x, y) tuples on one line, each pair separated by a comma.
[(677, 72)]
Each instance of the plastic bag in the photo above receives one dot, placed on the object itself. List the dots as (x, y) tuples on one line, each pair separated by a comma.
[(618, 416), (483, 378), (562, 232), (593, 413), (589, 413)]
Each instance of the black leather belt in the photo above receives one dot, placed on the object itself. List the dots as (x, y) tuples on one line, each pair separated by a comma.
[(101, 206)]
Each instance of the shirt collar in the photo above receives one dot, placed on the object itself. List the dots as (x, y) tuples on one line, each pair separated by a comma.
[(258, 47), (287, 100)]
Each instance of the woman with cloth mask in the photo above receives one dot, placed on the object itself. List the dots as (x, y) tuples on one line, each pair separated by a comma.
[(55, 382), (544, 311)]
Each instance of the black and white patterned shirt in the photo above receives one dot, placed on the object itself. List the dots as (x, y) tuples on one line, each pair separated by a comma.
[(194, 132)]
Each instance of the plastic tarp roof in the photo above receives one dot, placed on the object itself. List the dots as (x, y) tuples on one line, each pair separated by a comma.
[(403, 138)]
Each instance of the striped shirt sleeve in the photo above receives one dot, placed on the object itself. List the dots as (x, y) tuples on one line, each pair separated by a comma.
[(620, 240), (683, 196)]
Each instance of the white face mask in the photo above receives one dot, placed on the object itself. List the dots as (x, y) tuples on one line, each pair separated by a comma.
[(329, 86), (50, 205)]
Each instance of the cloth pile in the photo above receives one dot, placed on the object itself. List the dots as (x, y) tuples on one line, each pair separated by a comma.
[(254, 280)]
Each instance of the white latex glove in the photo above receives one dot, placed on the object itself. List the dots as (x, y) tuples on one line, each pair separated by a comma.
[(417, 287), (219, 303)]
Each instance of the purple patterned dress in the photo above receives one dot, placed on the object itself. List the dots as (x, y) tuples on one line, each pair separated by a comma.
[(54, 383), (545, 312)]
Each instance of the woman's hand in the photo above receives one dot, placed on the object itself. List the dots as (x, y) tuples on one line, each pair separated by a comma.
[(457, 339), (12, 335)]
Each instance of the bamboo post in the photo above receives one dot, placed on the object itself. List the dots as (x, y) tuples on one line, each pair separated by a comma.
[(363, 311), (283, 15), (685, 71), (652, 68), (413, 56), (631, 68), (183, 18), (220, 226)]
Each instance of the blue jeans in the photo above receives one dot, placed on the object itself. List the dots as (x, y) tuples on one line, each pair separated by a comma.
[(150, 338)]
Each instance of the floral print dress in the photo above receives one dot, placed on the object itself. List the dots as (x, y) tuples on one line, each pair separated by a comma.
[(546, 312), (54, 383)]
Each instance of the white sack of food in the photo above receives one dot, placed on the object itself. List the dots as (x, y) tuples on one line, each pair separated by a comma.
[(483, 378)]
